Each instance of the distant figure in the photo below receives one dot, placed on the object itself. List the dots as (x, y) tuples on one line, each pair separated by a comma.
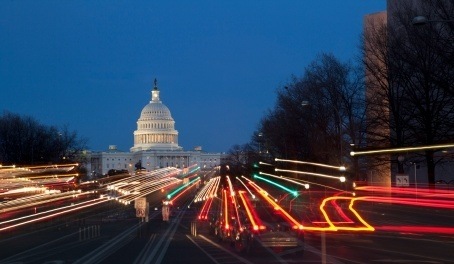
[(165, 211), (138, 166)]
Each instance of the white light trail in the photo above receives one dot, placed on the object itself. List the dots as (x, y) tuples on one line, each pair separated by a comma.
[(313, 174), (245, 186), (404, 149), (52, 215), (340, 168), (305, 185)]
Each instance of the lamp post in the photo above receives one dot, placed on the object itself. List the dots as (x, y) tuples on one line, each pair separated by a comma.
[(400, 165), (416, 182), (414, 168), (355, 164), (260, 142)]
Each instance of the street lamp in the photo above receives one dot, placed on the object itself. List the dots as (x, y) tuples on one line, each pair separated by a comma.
[(414, 168), (400, 166), (422, 20), (260, 142), (355, 163)]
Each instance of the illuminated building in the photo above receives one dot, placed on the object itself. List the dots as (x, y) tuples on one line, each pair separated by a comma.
[(383, 168), (155, 145), (155, 127), (379, 171)]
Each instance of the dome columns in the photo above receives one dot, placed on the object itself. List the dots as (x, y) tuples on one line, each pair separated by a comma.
[(155, 138), (155, 127)]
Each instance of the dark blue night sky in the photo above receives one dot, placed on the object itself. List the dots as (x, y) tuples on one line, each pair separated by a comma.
[(91, 64)]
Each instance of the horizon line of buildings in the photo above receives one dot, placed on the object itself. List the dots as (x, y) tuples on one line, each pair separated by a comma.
[(155, 145)]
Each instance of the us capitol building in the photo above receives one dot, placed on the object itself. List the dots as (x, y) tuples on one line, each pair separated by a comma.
[(155, 145)]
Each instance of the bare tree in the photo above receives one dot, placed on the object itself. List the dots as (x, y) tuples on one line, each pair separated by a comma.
[(317, 116), (24, 141), (409, 74), (241, 157)]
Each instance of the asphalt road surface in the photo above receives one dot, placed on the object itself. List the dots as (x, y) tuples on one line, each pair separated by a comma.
[(110, 233)]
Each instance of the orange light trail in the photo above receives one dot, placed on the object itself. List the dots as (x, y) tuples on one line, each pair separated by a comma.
[(366, 227), (232, 193), (209, 207), (253, 218), (245, 186), (341, 212), (435, 203), (184, 191), (205, 209), (260, 188), (264, 194), (332, 227), (226, 213)]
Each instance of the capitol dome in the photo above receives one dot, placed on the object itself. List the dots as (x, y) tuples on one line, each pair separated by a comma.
[(155, 111), (155, 126)]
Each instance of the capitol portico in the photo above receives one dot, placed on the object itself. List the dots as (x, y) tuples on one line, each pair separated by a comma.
[(155, 145)]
